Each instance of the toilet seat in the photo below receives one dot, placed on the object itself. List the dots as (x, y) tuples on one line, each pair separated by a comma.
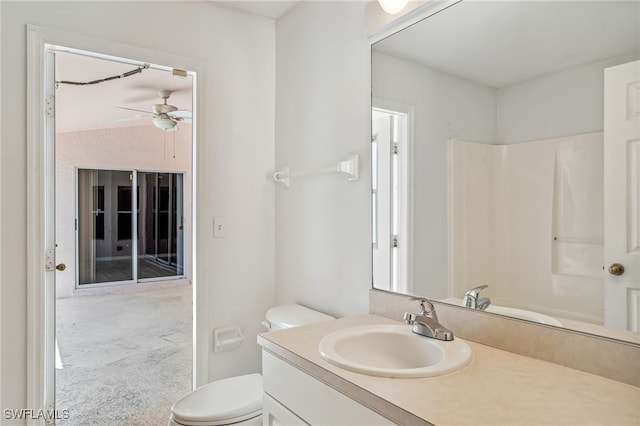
[(221, 402)]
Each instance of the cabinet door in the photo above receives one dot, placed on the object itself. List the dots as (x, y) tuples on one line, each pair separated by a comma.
[(312, 401), (275, 414)]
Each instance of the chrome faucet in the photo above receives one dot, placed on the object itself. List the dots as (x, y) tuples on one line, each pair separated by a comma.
[(426, 322), (473, 300)]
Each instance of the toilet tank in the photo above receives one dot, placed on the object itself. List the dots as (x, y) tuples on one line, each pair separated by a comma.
[(293, 315)]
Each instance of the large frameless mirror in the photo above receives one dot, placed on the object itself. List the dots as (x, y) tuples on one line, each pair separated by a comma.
[(494, 161)]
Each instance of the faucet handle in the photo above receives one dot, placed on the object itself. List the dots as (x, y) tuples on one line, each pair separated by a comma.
[(428, 310), (409, 318), (474, 292)]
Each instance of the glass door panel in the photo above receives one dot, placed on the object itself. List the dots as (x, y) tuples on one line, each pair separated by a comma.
[(164, 216), (161, 220), (110, 236), (105, 226)]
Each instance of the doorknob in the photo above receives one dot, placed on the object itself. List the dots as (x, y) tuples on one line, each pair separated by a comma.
[(616, 269), (61, 267)]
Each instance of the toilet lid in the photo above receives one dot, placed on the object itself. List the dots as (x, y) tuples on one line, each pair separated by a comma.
[(293, 315), (235, 398)]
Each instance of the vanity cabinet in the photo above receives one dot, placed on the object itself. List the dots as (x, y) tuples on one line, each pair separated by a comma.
[(293, 397)]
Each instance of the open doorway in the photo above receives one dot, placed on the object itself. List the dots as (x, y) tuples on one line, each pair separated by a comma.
[(390, 168), (123, 171), (123, 186)]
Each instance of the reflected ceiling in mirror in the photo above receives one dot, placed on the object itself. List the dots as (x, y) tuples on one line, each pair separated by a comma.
[(488, 130)]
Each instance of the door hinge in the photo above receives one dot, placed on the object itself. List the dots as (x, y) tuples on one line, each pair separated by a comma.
[(50, 260), (51, 415), (395, 148), (394, 241), (50, 106)]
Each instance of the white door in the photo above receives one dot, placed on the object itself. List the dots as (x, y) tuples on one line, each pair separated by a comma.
[(389, 167), (381, 196), (49, 304), (622, 196)]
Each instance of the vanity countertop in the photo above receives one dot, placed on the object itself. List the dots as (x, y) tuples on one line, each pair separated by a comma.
[(497, 388)]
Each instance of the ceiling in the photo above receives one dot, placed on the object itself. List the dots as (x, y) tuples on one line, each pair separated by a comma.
[(473, 30), (499, 43), (267, 8), (97, 106)]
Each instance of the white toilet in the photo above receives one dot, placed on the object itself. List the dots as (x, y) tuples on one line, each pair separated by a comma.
[(237, 400)]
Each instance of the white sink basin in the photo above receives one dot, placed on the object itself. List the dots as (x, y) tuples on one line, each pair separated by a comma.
[(525, 315), (393, 351), (512, 312)]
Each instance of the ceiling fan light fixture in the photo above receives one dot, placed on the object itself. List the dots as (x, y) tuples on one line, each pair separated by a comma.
[(164, 123), (392, 6)]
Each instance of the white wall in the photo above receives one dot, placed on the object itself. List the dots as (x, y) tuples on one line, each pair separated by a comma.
[(323, 250), (139, 147), (239, 152), (568, 102), (445, 106)]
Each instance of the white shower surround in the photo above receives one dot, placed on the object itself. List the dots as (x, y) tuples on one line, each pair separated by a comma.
[(506, 217)]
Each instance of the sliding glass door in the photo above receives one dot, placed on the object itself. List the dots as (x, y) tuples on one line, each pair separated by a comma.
[(162, 225), (129, 226)]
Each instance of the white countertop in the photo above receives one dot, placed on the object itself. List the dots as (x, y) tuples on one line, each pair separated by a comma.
[(497, 388)]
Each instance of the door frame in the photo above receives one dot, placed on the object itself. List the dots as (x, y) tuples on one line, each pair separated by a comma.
[(405, 200), (41, 205)]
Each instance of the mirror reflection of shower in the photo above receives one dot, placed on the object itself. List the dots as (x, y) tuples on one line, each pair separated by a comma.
[(126, 234)]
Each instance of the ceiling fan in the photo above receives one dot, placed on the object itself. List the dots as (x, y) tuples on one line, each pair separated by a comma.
[(164, 116)]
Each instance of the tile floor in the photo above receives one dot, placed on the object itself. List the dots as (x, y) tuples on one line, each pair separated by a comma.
[(126, 354)]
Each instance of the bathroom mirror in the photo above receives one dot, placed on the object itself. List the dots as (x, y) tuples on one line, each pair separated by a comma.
[(487, 157)]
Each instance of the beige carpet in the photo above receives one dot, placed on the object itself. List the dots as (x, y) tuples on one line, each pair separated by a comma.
[(126, 356)]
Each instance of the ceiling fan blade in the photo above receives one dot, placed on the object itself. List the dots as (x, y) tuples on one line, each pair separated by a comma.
[(144, 116), (136, 110), (181, 113), (133, 119)]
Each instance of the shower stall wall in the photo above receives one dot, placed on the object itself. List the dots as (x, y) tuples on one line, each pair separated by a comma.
[(527, 219)]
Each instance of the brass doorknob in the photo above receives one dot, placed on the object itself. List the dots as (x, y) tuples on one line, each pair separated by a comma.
[(616, 269), (61, 267)]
